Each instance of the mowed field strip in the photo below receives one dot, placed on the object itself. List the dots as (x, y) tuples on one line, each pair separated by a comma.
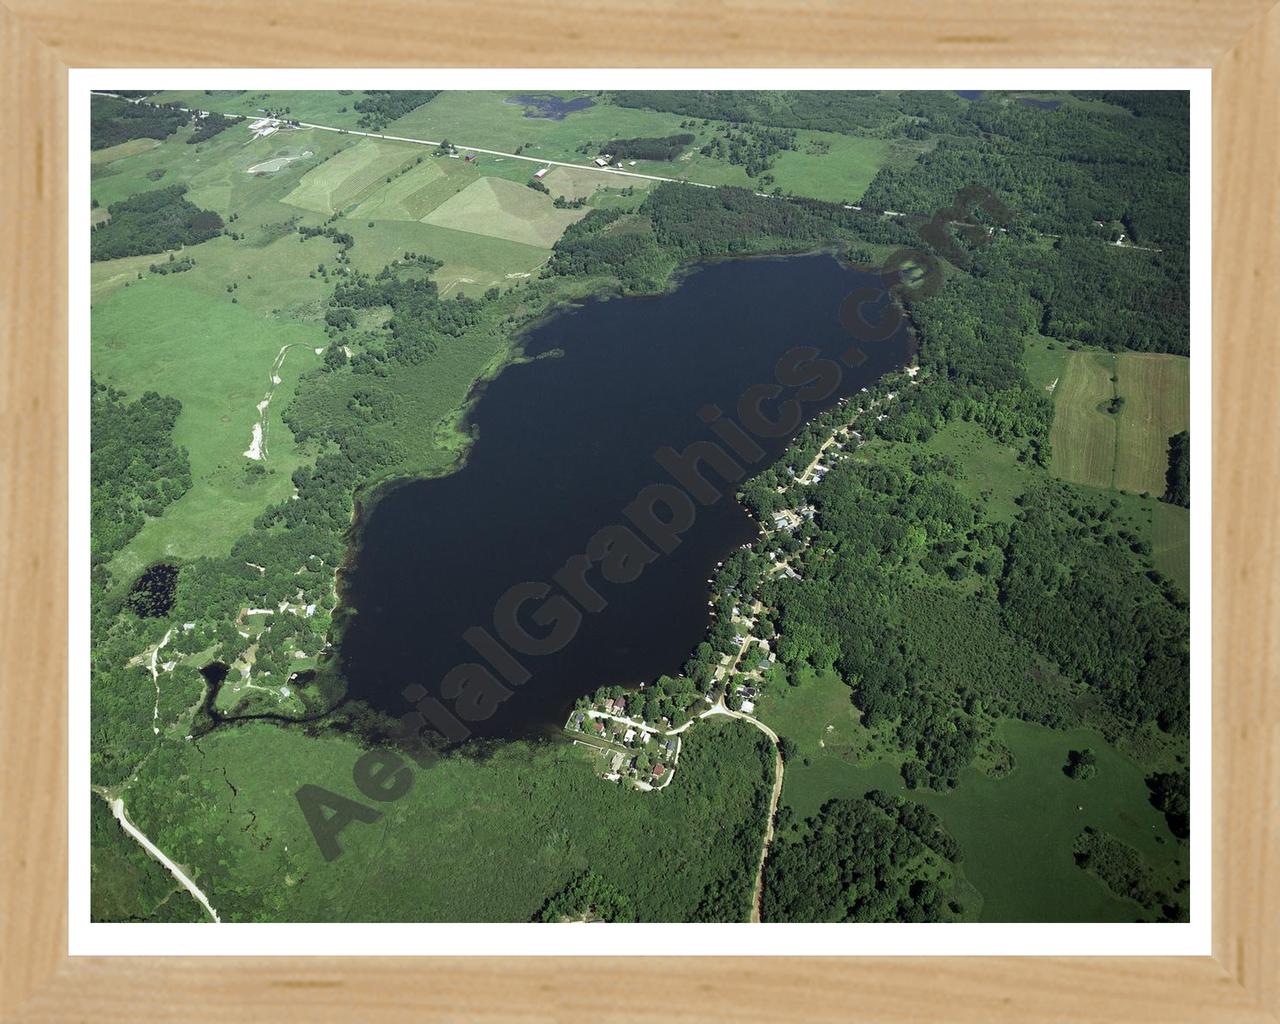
[(1157, 393), (505, 209), (349, 176), (1127, 449), (412, 195)]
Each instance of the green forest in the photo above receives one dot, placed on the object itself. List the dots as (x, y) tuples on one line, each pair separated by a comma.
[(878, 858), (113, 121), (153, 222)]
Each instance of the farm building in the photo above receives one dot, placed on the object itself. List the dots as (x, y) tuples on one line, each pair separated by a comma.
[(541, 172), (264, 126)]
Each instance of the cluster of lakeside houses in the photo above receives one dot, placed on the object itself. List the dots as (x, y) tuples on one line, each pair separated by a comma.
[(629, 749), (646, 754)]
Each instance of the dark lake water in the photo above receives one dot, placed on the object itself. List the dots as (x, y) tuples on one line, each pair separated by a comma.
[(565, 443), (551, 108), (970, 94)]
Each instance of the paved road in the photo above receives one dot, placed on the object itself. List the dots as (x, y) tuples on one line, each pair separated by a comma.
[(469, 149), (557, 163), (512, 156)]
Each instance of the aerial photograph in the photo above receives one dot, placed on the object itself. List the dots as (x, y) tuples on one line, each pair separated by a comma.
[(638, 506)]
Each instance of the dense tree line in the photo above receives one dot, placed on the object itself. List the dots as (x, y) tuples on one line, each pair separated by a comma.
[(151, 596), (210, 125), (135, 469), (697, 223), (856, 860), (112, 121), (920, 654), (172, 266), (610, 243), (857, 113), (1119, 865), (922, 822), (1132, 648), (666, 148), (1065, 171), (127, 883), (1119, 299), (753, 147), (669, 697), (1177, 490), (380, 106), (153, 222), (420, 319), (971, 332), (342, 238), (939, 618), (1171, 795), (588, 897)]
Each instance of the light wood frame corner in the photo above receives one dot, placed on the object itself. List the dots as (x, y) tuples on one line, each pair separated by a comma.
[(41, 39)]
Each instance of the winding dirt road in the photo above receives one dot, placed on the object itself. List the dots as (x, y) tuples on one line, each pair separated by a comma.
[(117, 808), (758, 891)]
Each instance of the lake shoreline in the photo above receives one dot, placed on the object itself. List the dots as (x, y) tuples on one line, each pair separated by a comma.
[(531, 347)]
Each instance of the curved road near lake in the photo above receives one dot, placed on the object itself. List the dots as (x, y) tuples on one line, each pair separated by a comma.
[(758, 890)]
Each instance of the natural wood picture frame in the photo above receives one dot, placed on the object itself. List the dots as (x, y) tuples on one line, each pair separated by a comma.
[(41, 39)]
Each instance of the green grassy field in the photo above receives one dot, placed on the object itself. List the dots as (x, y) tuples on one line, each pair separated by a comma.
[(487, 120), (1158, 401), (505, 209), (1157, 393), (130, 148), (826, 165), (1167, 528), (129, 168), (1044, 360), (319, 107), (217, 172), (1171, 542), (485, 839), (1016, 831), (1083, 435), (1128, 449), (573, 183), (351, 175), (426, 185), (219, 366), (990, 472), (413, 194), (836, 167), (472, 262)]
